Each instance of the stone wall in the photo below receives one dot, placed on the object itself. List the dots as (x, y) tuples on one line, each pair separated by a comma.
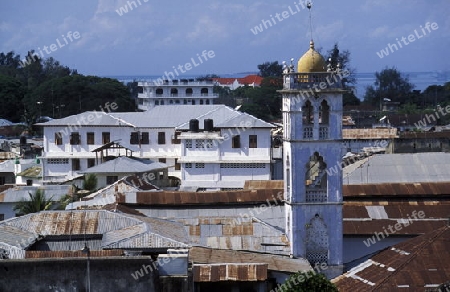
[(106, 274)]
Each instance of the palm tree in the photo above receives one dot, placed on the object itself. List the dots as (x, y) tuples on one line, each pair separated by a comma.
[(37, 203), (90, 182)]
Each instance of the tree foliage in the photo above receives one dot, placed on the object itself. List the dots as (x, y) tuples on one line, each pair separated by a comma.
[(270, 69), (308, 282), (60, 91), (37, 202), (90, 182), (389, 84)]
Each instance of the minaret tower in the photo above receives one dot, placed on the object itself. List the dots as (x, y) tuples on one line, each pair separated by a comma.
[(312, 142)]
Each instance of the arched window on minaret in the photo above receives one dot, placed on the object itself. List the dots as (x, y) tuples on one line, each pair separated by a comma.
[(317, 241), (324, 113), (308, 120), (308, 115), (316, 180), (324, 120)]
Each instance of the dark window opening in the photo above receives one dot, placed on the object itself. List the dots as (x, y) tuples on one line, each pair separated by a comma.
[(236, 141), (134, 138), (75, 138), (161, 138), (106, 137), (90, 138), (145, 138), (253, 141)]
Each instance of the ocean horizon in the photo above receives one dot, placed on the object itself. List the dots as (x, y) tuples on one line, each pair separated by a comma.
[(421, 80)]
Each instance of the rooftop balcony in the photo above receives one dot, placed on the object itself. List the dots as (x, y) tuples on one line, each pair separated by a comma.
[(319, 80), (174, 95), (181, 82)]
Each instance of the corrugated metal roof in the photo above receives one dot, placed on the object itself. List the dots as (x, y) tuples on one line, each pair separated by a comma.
[(17, 193), (369, 133), (229, 272), (205, 255), (397, 189), (36, 254), (397, 168), (221, 197), (413, 264), (124, 164), (116, 228), (89, 118)]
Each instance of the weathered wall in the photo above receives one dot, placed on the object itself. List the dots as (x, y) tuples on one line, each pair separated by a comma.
[(106, 274)]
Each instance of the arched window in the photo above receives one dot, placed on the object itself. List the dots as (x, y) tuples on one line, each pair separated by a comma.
[(204, 91), (307, 113), (173, 92), (317, 241), (207, 101), (201, 101), (324, 113), (316, 175), (159, 91), (189, 91)]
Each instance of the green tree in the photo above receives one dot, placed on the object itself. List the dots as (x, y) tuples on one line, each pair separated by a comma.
[(12, 93), (390, 84), (308, 282), (90, 182), (270, 69), (343, 59), (37, 202)]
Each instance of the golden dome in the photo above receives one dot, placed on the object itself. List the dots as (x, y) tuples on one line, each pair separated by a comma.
[(311, 61)]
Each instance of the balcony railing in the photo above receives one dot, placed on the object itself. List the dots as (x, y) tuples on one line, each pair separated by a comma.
[(320, 80), (175, 83), (171, 95), (316, 196)]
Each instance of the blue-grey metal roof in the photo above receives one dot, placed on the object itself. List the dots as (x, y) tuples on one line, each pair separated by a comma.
[(164, 116), (17, 193), (90, 118), (124, 164), (398, 168)]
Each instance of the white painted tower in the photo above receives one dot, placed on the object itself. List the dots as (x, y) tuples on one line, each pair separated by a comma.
[(312, 120)]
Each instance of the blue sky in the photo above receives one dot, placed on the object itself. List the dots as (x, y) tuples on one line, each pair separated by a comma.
[(156, 36)]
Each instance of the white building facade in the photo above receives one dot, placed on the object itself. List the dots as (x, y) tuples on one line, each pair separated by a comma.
[(175, 92), (161, 134)]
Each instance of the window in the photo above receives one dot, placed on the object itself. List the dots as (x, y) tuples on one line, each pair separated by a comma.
[(58, 138), (209, 143), (253, 141), (90, 138), (199, 143), (324, 113), (2, 217), (159, 91), (162, 160), (188, 143), (161, 138), (188, 165), (134, 138), (307, 113), (75, 138), (90, 162), (75, 164), (189, 91), (110, 179), (106, 137), (58, 161), (29, 182), (204, 91), (175, 139), (236, 141), (242, 165), (177, 165), (145, 138), (199, 165), (2, 180)]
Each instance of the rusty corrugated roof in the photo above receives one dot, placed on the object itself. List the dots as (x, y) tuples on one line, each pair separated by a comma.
[(117, 230), (36, 254), (184, 198), (389, 133), (411, 265), (203, 255), (229, 272)]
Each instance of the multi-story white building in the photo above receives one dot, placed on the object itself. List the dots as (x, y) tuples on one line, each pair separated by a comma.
[(175, 92), (233, 148)]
